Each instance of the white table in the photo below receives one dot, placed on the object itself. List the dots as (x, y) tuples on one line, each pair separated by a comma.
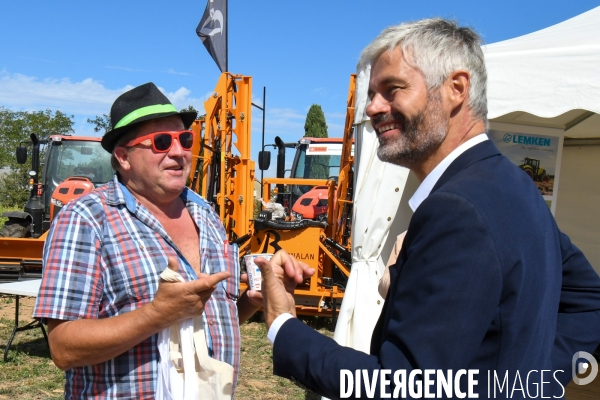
[(22, 288)]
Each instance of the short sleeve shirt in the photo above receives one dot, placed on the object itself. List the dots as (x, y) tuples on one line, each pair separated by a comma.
[(103, 257)]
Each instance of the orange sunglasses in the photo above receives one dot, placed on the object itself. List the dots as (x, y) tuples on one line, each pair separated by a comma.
[(163, 141)]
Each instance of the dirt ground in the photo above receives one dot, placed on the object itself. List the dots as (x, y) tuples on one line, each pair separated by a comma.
[(546, 189), (256, 380), (34, 376), (7, 308)]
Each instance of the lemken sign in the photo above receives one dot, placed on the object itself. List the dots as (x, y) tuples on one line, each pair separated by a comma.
[(527, 140)]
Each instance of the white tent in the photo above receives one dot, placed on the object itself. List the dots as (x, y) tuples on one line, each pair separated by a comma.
[(378, 189), (549, 78)]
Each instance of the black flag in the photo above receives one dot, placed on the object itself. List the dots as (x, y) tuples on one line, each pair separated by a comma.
[(212, 30)]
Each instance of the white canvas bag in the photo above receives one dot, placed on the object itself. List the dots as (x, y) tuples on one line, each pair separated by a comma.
[(185, 370)]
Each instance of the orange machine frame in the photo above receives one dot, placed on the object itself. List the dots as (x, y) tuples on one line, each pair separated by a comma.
[(223, 173), (310, 244), (221, 156)]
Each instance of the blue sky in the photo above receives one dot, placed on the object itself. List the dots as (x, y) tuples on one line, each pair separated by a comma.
[(77, 57)]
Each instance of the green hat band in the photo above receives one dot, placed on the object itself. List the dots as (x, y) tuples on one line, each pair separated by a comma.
[(142, 112)]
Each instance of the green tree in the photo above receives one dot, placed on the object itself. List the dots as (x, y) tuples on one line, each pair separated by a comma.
[(102, 123), (190, 108), (14, 191), (15, 130), (316, 126)]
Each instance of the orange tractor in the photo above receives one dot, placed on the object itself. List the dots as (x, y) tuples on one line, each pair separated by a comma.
[(73, 166), (223, 173)]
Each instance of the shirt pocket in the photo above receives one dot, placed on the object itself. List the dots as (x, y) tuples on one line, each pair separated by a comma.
[(224, 257)]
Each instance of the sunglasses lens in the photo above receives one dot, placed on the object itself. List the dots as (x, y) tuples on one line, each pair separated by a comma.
[(162, 142), (186, 139)]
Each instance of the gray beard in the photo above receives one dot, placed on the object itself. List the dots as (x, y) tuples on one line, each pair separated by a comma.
[(420, 137)]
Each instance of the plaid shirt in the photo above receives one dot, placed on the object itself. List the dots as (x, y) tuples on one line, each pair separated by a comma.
[(102, 258)]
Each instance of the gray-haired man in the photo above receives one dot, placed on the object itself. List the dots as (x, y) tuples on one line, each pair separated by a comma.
[(485, 286)]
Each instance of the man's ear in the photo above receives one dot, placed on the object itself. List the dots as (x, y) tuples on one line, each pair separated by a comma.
[(457, 85), (122, 156)]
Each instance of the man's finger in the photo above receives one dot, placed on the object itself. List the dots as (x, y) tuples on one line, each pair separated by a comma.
[(307, 271), (264, 266), (205, 282), (278, 272), (255, 297), (298, 270), (280, 258), (293, 270)]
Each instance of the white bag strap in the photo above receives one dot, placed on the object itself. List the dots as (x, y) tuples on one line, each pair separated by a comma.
[(189, 377), (215, 378)]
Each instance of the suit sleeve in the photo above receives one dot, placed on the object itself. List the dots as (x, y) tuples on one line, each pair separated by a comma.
[(578, 324), (442, 300)]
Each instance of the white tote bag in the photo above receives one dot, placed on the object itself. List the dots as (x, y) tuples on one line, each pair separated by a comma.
[(185, 370)]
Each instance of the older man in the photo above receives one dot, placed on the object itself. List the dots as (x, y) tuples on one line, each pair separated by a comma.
[(100, 293), (477, 284)]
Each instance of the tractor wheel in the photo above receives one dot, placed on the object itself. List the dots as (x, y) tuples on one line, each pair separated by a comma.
[(15, 229), (545, 178), (529, 172)]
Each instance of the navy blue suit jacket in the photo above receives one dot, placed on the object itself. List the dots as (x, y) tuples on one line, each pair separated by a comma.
[(485, 280)]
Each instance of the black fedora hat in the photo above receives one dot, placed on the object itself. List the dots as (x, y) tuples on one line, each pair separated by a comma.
[(140, 104)]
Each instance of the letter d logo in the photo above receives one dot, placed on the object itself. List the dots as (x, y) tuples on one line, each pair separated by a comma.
[(579, 367)]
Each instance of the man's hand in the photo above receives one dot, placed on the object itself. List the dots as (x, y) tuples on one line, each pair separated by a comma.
[(280, 276), (91, 341), (291, 273), (176, 301), (253, 297)]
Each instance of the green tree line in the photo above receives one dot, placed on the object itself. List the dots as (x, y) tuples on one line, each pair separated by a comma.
[(15, 130)]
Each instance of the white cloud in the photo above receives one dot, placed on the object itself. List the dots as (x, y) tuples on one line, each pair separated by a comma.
[(321, 91), (258, 101), (173, 72), (88, 97), (126, 68), (82, 128), (288, 124), (335, 130), (180, 98), (335, 115), (283, 122)]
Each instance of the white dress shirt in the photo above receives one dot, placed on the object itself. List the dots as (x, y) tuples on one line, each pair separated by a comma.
[(414, 202), (431, 179)]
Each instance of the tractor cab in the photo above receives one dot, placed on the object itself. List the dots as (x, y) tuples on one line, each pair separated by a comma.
[(73, 166), (316, 158), (77, 165), (535, 164), (531, 167)]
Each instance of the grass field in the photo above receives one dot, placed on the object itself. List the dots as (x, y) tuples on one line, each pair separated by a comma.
[(31, 374)]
